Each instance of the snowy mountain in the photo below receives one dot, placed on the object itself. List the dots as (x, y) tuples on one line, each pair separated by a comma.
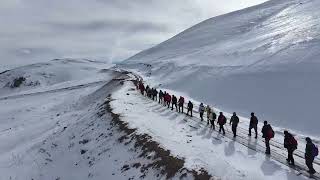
[(262, 59), (63, 127), (87, 122), (57, 73)]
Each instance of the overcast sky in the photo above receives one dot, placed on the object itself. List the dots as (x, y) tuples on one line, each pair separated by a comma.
[(111, 30)]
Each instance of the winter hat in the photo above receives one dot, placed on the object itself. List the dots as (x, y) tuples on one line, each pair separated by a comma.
[(308, 140)]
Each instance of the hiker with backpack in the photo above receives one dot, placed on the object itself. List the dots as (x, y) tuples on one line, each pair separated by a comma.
[(201, 110), (213, 118), (267, 134), (155, 94), (160, 96), (165, 98), (222, 120), (311, 152), (174, 102), (142, 88), (234, 121), (291, 144), (180, 104), (209, 110), (149, 93), (168, 100), (253, 125), (190, 108), (147, 90)]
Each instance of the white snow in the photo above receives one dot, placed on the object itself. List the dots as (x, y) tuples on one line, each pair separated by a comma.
[(55, 74), (263, 59), (56, 131), (196, 143), (42, 133)]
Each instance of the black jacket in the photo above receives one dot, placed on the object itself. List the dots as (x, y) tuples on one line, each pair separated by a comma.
[(214, 116), (309, 150), (174, 100), (234, 121), (253, 121), (160, 94), (190, 105)]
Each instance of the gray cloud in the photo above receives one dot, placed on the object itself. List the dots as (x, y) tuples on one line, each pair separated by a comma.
[(120, 25), (40, 30)]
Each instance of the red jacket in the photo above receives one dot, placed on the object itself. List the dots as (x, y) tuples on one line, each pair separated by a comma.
[(169, 98)]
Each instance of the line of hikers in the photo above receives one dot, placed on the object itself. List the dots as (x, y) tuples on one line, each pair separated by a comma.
[(290, 143)]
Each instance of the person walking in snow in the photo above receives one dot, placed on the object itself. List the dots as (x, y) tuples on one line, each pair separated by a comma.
[(209, 115), (253, 125), (311, 152), (160, 96), (142, 88), (165, 98), (234, 121), (291, 144), (155, 94), (174, 102), (147, 90), (168, 100), (222, 120), (181, 103), (190, 108), (201, 110), (267, 134), (213, 118)]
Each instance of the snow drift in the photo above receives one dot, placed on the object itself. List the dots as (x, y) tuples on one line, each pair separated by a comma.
[(263, 59)]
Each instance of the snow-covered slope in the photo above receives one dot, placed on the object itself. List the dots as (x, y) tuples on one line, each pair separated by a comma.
[(263, 59), (222, 156), (65, 129), (54, 74)]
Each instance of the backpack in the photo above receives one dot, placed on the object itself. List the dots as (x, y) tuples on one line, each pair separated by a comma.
[(222, 120), (270, 133), (214, 115), (293, 142), (315, 151)]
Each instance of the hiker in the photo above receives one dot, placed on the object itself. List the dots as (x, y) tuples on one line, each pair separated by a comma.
[(201, 110), (147, 90), (174, 102), (150, 93), (165, 98), (155, 94), (311, 152), (160, 97), (190, 107), (181, 102), (142, 88), (213, 118), (222, 121), (234, 121), (209, 110), (291, 144), (267, 134), (254, 125), (168, 100)]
